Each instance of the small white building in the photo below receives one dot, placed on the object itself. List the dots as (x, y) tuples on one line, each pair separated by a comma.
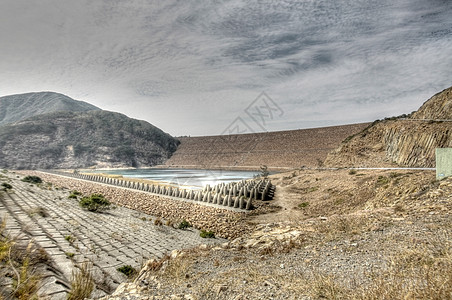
[(443, 163)]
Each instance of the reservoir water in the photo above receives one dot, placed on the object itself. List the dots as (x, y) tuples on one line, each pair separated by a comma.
[(190, 177)]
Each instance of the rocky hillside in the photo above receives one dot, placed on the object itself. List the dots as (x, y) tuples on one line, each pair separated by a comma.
[(83, 139), (22, 106), (407, 141)]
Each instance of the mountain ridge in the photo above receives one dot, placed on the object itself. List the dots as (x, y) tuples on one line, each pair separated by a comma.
[(19, 107)]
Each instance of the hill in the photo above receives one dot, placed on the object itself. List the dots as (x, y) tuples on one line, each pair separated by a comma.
[(22, 106), (280, 149), (83, 139), (407, 141)]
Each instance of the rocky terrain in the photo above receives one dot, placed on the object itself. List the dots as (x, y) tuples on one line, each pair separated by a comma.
[(55, 131), (407, 141), (278, 150), (341, 234)]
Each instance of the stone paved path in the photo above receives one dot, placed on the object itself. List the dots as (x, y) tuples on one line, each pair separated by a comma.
[(109, 240)]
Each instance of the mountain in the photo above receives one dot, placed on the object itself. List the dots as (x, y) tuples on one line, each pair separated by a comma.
[(406, 141), (51, 130), (22, 106), (83, 139)]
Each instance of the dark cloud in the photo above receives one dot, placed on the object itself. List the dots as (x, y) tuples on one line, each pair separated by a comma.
[(202, 62)]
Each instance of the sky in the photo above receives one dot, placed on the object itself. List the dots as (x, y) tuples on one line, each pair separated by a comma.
[(209, 67)]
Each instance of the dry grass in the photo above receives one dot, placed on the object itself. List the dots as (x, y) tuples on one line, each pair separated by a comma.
[(27, 283), (82, 284), (19, 262), (38, 211), (421, 273), (424, 273), (155, 265), (338, 227), (177, 269), (5, 242)]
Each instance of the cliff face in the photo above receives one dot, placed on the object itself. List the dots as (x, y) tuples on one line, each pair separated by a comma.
[(439, 107), (406, 142)]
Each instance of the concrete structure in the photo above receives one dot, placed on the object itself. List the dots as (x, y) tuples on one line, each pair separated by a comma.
[(236, 193), (443, 163)]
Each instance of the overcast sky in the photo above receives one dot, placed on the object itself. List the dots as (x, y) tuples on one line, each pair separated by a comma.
[(193, 67)]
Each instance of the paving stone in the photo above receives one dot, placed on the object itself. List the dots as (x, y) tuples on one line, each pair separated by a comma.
[(110, 240)]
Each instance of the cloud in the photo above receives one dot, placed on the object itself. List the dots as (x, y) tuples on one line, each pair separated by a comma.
[(192, 67)]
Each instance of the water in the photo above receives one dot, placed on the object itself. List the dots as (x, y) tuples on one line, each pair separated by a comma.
[(189, 177)]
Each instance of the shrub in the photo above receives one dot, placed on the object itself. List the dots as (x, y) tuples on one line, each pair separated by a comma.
[(32, 179), (127, 270), (352, 172), (72, 196), (381, 181), (6, 186), (158, 222), (303, 204), (264, 171), (95, 202), (40, 211), (207, 234), (70, 239), (184, 224)]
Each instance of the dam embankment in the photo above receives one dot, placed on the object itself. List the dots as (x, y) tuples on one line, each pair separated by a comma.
[(279, 150)]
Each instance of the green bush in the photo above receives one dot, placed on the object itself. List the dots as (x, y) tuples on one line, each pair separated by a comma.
[(303, 204), (6, 186), (127, 270), (74, 194), (32, 179), (381, 181), (207, 234), (184, 224), (95, 202)]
